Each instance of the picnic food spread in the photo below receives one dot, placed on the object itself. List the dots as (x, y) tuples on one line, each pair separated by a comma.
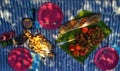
[(77, 37)]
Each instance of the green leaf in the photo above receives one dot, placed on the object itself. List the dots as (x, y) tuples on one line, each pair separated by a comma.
[(83, 13)]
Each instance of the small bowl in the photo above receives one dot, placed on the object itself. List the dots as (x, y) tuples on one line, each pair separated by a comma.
[(27, 23)]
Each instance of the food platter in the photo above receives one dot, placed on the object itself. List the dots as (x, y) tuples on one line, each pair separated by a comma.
[(86, 39)]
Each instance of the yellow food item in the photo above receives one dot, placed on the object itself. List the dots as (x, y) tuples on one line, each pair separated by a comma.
[(39, 44)]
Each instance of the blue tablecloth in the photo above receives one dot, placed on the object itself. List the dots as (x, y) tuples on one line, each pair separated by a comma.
[(12, 12)]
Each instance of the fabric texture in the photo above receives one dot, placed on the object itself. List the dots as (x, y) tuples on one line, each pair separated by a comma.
[(12, 12)]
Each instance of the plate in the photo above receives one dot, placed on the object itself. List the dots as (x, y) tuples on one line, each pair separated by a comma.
[(20, 59), (50, 15), (106, 58)]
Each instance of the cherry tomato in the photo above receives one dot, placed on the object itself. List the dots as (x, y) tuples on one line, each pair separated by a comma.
[(76, 53), (77, 47), (85, 30), (82, 52), (72, 47)]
